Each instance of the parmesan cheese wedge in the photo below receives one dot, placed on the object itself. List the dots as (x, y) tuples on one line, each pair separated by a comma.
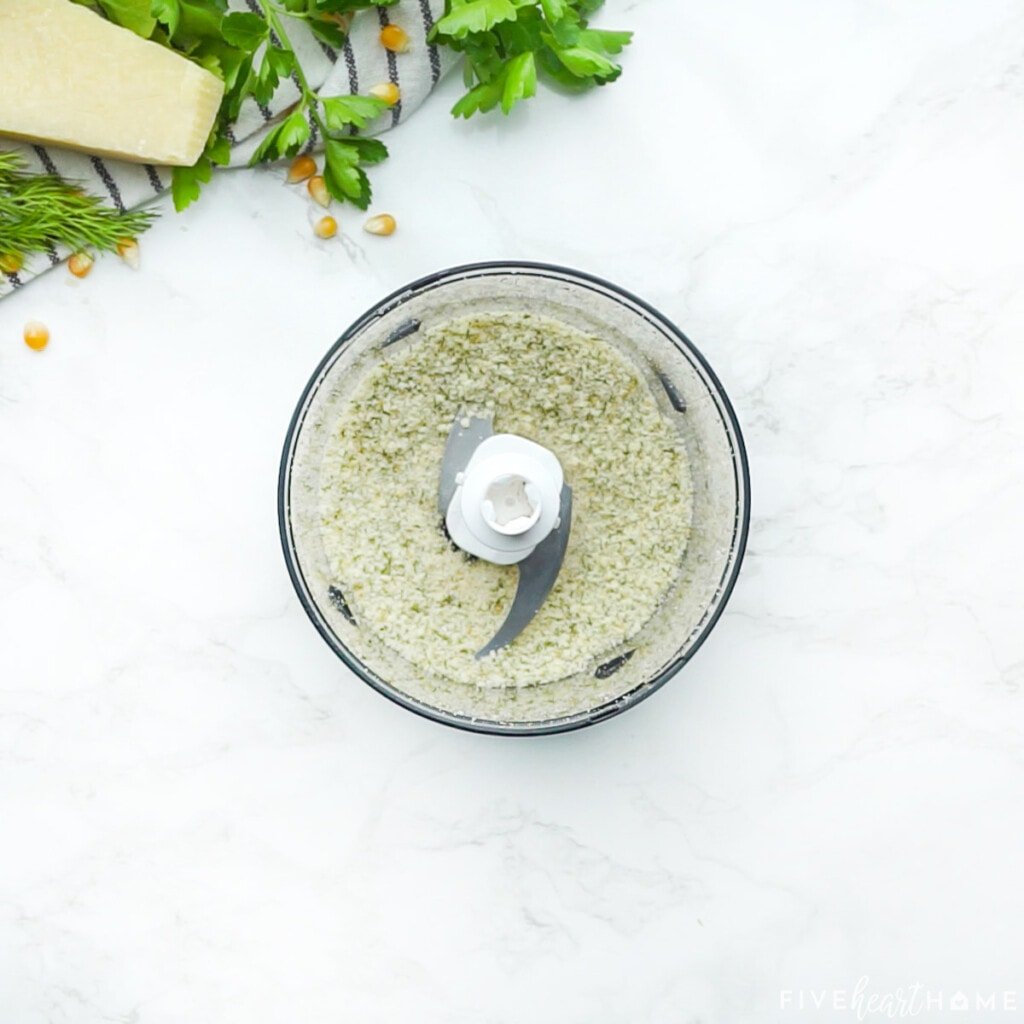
[(73, 79)]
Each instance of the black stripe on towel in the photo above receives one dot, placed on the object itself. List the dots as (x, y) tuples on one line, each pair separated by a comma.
[(14, 279), (330, 54), (314, 133), (435, 57), (108, 179), (350, 63), (353, 75), (44, 159), (154, 179), (396, 110)]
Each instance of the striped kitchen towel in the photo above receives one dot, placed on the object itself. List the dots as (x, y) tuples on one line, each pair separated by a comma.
[(360, 65)]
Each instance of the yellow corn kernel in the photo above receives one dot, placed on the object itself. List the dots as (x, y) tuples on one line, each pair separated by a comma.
[(10, 263), (325, 227), (302, 167), (388, 92), (36, 335), (317, 188), (394, 38), (80, 264), (128, 250), (382, 224)]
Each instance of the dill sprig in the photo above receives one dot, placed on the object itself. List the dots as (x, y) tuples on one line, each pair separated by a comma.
[(41, 212)]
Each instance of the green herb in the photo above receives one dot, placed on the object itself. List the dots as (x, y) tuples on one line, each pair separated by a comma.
[(134, 14), (507, 43), (344, 155), (39, 212), (253, 53)]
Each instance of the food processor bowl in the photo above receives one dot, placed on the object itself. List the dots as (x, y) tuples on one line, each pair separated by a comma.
[(690, 394)]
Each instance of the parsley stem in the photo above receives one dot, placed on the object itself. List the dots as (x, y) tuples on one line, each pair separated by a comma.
[(310, 100)]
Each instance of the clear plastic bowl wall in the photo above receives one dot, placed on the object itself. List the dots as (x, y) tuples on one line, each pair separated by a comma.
[(691, 395)]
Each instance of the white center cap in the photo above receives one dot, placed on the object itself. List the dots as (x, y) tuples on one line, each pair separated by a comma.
[(511, 505), (507, 499)]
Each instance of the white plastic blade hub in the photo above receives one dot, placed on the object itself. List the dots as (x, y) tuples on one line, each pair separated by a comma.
[(507, 500)]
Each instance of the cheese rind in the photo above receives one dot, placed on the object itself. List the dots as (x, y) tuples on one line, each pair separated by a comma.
[(73, 79)]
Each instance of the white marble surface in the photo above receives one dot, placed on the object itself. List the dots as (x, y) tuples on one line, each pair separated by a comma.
[(203, 818)]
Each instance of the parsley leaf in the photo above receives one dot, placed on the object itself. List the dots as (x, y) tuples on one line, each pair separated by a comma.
[(185, 182), (342, 111), (519, 80), (133, 14), (285, 139), (506, 44), (344, 178), (466, 16), (198, 20), (371, 151), (166, 12), (244, 30), (554, 10), (583, 63)]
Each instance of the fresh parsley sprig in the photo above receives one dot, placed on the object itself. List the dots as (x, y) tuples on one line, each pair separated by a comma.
[(507, 43), (253, 53), (333, 116)]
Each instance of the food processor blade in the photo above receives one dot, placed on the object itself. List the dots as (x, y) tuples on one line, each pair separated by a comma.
[(464, 438), (537, 575), (540, 568)]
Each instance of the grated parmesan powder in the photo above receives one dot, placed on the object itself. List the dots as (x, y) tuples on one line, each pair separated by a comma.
[(539, 378)]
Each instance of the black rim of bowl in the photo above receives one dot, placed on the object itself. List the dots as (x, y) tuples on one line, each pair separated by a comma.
[(579, 720)]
